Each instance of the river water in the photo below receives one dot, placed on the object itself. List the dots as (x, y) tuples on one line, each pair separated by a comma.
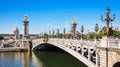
[(38, 59)]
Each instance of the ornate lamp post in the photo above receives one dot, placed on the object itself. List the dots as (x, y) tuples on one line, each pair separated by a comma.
[(107, 29), (82, 30), (88, 36), (49, 33), (96, 30), (58, 33), (53, 33), (64, 31)]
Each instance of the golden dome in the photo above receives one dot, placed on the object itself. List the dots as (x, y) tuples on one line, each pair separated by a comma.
[(25, 18), (15, 29), (74, 21)]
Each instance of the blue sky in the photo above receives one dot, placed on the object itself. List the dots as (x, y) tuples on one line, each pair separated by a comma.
[(45, 15)]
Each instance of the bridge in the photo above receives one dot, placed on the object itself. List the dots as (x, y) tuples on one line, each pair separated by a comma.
[(82, 51), (90, 53)]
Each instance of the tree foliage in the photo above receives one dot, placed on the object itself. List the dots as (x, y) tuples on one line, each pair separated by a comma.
[(1, 38), (67, 36), (100, 34), (116, 33)]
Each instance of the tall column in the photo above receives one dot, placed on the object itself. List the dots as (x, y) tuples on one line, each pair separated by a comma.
[(25, 27), (26, 42), (73, 28)]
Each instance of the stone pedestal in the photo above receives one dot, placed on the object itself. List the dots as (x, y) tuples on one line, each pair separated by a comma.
[(27, 44), (103, 57), (105, 41)]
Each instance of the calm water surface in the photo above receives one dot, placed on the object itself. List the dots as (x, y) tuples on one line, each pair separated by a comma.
[(38, 59)]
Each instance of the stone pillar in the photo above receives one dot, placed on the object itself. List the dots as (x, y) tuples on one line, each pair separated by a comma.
[(26, 42), (103, 57), (73, 28), (25, 27)]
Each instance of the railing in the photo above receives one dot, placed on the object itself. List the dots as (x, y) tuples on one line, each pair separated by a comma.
[(109, 44)]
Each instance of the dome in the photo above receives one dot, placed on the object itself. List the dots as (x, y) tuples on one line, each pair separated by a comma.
[(15, 29), (74, 21)]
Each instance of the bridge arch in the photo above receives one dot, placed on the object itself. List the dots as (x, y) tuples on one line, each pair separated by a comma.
[(116, 64), (70, 51), (48, 46)]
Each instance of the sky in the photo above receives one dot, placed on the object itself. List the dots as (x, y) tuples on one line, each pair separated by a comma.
[(45, 15)]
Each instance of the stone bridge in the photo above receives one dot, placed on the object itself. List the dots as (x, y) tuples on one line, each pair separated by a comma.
[(82, 51), (105, 53)]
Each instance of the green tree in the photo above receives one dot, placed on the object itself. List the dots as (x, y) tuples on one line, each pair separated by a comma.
[(90, 35), (60, 35), (79, 36), (1, 38), (116, 33), (67, 36), (100, 34)]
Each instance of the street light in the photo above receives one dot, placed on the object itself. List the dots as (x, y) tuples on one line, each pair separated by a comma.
[(82, 30), (64, 31), (96, 30), (57, 33), (53, 33), (88, 36), (108, 20)]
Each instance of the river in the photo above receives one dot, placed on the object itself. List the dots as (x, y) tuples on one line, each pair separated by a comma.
[(38, 59)]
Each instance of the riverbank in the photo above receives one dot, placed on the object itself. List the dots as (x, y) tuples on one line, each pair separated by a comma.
[(13, 49)]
